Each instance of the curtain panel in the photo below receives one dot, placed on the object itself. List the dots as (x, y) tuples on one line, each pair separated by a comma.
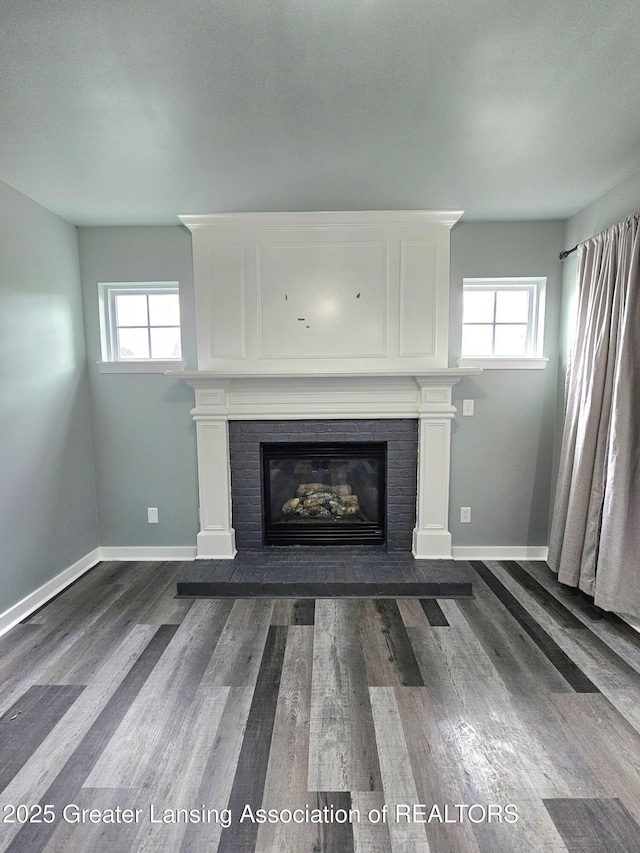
[(595, 533)]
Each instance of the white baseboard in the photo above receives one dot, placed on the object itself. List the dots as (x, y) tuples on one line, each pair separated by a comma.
[(216, 544), (124, 553), (500, 552), (50, 589), (47, 591), (634, 623), (431, 544)]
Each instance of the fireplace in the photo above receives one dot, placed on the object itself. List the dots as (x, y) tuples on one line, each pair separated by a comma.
[(326, 493), (412, 414), (382, 457), (329, 326)]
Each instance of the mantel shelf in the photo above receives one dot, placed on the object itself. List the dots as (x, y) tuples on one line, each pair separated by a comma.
[(454, 373), (323, 395)]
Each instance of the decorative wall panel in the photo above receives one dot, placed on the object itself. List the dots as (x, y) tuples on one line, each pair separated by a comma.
[(420, 318), (309, 293), (322, 301)]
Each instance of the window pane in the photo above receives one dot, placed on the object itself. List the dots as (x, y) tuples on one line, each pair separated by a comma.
[(512, 306), (133, 343), (131, 310), (165, 343), (511, 340), (478, 306), (164, 309), (476, 340)]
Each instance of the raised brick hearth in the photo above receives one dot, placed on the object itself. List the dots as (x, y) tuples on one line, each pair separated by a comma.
[(325, 572)]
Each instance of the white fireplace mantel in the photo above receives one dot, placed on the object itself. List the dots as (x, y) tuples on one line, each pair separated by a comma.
[(223, 397)]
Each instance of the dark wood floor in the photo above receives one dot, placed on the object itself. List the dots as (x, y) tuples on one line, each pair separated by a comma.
[(522, 700)]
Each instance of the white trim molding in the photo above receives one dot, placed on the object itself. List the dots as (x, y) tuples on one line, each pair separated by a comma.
[(500, 552), (160, 553), (324, 219), (147, 365), (238, 396), (36, 599), (499, 363)]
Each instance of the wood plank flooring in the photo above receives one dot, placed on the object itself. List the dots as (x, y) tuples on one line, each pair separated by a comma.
[(135, 721)]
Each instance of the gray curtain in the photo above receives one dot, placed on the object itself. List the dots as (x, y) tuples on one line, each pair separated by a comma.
[(595, 534)]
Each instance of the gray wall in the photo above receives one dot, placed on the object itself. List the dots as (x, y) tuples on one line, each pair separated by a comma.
[(612, 207), (501, 457), (47, 489), (144, 438)]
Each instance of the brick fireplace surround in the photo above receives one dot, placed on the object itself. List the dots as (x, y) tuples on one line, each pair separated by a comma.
[(400, 436)]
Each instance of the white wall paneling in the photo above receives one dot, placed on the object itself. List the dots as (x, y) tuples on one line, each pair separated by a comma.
[(325, 300), (424, 298), (322, 292), (226, 317)]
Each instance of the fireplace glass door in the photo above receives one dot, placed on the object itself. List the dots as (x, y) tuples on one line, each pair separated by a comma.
[(324, 494)]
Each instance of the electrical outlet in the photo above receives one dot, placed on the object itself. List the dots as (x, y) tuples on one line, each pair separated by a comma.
[(465, 515), (467, 408), (152, 514)]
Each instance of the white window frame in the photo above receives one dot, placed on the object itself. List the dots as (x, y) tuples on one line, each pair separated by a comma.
[(533, 359), (111, 363)]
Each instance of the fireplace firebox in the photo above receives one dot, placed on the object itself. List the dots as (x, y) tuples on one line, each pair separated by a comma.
[(324, 493)]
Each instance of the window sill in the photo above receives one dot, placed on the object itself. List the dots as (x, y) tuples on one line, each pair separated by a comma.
[(142, 366), (504, 363)]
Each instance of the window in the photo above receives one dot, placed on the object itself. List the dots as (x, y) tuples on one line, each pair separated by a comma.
[(503, 320), (140, 322)]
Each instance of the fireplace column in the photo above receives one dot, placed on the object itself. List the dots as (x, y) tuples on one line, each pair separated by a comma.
[(431, 537), (217, 538)]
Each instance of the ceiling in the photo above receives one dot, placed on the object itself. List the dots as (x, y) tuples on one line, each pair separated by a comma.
[(133, 111)]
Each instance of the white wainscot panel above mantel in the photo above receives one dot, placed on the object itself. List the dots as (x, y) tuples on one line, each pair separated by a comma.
[(324, 300), (305, 293)]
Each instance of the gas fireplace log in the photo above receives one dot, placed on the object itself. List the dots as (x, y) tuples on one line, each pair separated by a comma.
[(305, 489), (317, 500)]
